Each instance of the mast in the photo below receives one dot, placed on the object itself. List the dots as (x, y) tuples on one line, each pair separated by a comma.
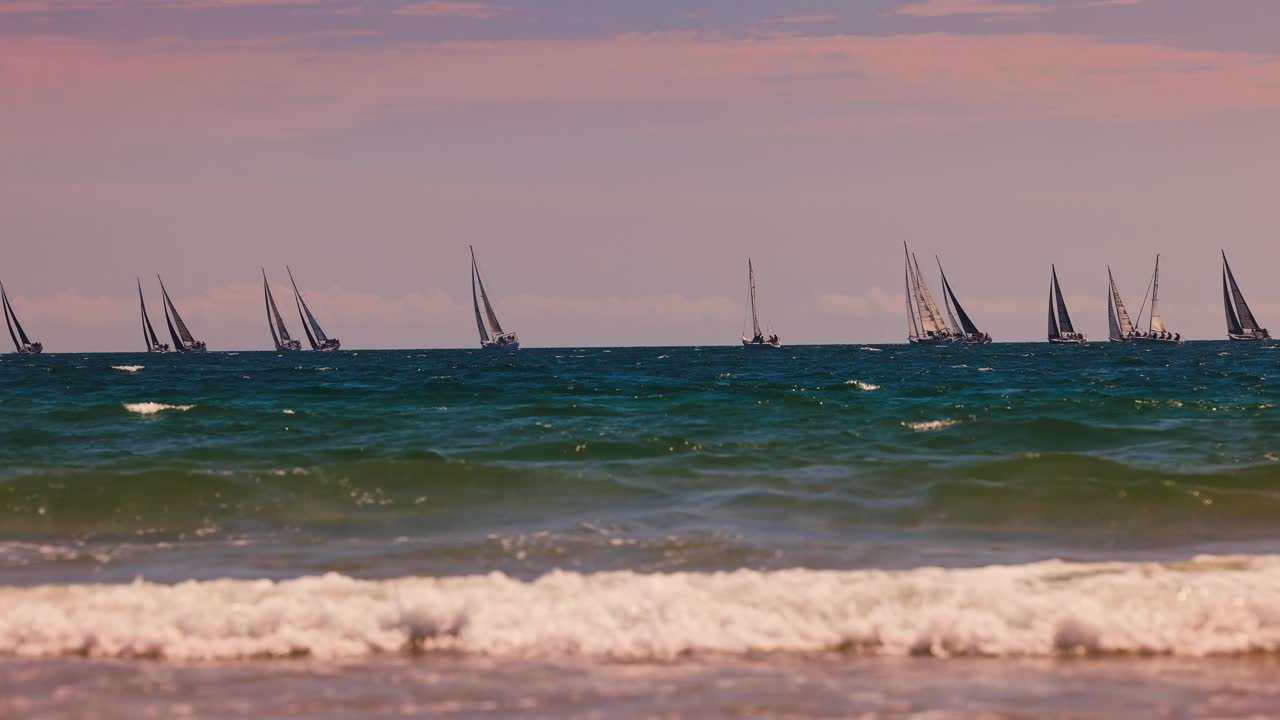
[(8, 313), (148, 332), (755, 320), (1053, 323), (475, 302), (1245, 315), (1064, 318)]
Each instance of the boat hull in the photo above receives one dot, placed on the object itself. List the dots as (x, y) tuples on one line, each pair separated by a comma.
[(761, 345), (1146, 341), (330, 345), (293, 346), (1068, 341), (32, 349), (936, 341), (507, 347), (1247, 338)]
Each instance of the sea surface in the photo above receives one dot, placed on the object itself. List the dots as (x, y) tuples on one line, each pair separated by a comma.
[(1015, 530)]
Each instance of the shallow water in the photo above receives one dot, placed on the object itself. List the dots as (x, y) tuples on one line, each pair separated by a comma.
[(642, 505)]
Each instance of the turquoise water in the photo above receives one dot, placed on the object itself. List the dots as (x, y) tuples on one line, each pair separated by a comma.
[(630, 531), (389, 463)]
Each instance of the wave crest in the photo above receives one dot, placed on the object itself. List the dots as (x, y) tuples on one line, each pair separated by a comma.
[(151, 408), (1208, 606)]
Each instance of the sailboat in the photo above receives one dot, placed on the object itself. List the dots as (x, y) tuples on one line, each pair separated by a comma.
[(275, 323), (149, 333), (21, 343), (925, 325), (182, 339), (757, 339), (317, 338), (969, 332), (1121, 328), (492, 336), (1061, 331), (1241, 325)]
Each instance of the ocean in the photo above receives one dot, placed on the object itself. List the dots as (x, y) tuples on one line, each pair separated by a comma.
[(1015, 530)]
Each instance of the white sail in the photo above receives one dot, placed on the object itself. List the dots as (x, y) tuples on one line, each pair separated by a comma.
[(930, 315), (755, 319), (913, 331), (1157, 322), (1121, 315)]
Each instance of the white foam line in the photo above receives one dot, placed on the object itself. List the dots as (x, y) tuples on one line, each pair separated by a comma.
[(151, 408), (1208, 606)]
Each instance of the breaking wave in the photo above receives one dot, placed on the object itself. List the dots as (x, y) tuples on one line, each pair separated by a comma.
[(151, 408), (1207, 606)]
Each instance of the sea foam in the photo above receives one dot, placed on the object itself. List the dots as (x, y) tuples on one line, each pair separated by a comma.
[(151, 408), (1207, 606), (128, 368)]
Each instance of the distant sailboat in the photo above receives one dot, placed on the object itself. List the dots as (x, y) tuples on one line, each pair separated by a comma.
[(317, 338), (1120, 327), (969, 331), (149, 333), (757, 339), (21, 343), (1061, 331), (275, 323), (182, 338), (1241, 325), (492, 336), (925, 325)]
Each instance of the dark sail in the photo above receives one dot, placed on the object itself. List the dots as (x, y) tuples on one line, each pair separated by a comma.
[(279, 333), (494, 326), (177, 341), (1233, 323), (183, 335), (9, 313), (314, 334), (1064, 319), (965, 322), (1247, 321), (475, 302), (9, 318), (148, 332), (1053, 323)]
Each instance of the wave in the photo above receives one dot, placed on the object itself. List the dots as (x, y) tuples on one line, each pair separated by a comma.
[(1207, 606), (931, 425), (151, 408)]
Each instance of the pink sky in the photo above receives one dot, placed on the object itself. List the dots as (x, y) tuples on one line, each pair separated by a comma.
[(615, 165)]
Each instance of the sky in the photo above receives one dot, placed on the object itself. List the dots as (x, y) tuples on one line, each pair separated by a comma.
[(615, 163)]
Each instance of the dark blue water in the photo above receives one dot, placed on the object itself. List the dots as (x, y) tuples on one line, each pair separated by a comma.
[(392, 463)]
